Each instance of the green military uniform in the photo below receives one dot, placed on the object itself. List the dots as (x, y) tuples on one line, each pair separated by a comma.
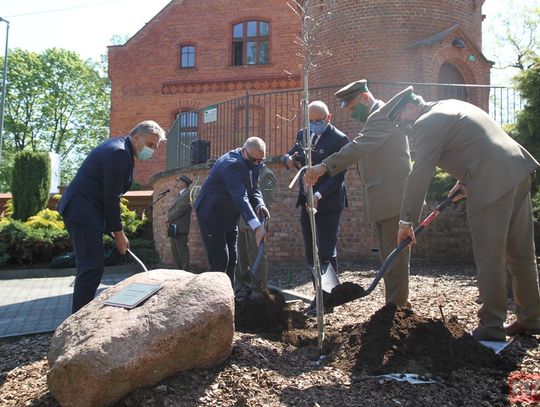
[(180, 215), (384, 161), (463, 140), (247, 247)]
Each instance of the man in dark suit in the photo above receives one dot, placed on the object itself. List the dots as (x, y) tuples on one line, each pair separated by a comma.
[(90, 205), (247, 248), (179, 220), (329, 194), (230, 190)]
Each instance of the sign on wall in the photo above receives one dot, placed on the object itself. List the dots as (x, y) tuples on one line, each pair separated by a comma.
[(210, 114)]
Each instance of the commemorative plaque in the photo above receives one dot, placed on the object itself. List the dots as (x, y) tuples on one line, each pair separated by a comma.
[(132, 295)]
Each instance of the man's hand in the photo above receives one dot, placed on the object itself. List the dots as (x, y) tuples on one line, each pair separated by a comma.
[(262, 211), (315, 201), (260, 234), (121, 241), (290, 161), (314, 173), (462, 188), (404, 233)]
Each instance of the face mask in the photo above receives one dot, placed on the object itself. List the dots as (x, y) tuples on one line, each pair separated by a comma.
[(360, 113), (318, 127), (145, 154)]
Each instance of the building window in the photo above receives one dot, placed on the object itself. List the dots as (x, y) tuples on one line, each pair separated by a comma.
[(250, 43), (187, 132), (187, 56)]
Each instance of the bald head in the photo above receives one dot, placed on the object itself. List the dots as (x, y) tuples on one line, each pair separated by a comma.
[(319, 109)]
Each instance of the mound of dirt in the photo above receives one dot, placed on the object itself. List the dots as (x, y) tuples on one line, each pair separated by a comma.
[(395, 340), (266, 313)]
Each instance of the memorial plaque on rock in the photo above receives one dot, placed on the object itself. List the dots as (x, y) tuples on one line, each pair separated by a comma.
[(132, 295)]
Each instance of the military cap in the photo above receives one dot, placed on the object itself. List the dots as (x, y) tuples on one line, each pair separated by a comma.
[(186, 179), (350, 91), (395, 106)]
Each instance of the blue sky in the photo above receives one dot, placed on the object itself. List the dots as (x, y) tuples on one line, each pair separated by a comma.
[(87, 26)]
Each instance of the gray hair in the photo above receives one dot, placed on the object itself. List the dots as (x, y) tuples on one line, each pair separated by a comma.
[(148, 127), (256, 143), (320, 106)]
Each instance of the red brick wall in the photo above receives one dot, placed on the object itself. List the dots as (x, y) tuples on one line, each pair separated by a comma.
[(147, 82), (371, 39), (447, 238)]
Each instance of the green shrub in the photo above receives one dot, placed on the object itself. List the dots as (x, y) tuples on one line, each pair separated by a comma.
[(30, 183), (26, 245), (440, 185), (536, 206), (46, 219)]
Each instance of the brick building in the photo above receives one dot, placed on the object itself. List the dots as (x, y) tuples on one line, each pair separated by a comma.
[(184, 60)]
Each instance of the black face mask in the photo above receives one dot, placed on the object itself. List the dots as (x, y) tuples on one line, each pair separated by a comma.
[(253, 163)]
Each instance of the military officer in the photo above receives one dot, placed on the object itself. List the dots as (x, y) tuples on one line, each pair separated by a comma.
[(382, 154), (247, 248), (179, 219), (494, 174)]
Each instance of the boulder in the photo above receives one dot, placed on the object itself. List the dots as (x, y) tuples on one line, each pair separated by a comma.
[(101, 353)]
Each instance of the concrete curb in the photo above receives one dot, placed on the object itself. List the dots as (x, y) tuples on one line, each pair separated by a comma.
[(65, 272)]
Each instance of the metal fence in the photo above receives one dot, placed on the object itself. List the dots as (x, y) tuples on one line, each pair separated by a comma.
[(277, 116)]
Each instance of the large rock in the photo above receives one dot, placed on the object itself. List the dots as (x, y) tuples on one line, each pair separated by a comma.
[(102, 353)]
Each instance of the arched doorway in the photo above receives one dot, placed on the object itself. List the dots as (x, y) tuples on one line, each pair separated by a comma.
[(449, 74)]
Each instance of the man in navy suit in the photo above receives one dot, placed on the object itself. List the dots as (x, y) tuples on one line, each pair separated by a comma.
[(90, 205), (329, 194), (230, 190)]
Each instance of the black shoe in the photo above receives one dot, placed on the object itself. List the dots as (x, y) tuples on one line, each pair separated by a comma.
[(311, 310)]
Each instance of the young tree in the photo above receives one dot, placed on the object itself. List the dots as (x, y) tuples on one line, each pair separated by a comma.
[(312, 14), (55, 102)]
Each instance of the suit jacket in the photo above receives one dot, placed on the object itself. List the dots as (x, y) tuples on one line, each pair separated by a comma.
[(464, 141), (180, 212), (267, 184), (92, 199), (230, 190), (384, 161), (332, 188)]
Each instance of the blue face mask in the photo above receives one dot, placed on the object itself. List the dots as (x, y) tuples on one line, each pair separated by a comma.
[(318, 127), (145, 154)]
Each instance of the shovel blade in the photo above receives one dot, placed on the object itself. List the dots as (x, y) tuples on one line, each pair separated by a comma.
[(329, 278)]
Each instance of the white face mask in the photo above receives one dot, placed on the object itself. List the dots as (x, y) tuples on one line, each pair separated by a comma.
[(145, 154)]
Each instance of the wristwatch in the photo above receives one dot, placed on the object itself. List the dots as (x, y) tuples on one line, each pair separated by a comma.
[(405, 224)]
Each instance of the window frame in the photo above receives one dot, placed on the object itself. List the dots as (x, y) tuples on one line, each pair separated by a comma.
[(182, 47), (258, 38)]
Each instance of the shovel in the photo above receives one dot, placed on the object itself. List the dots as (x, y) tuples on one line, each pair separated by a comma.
[(256, 264), (348, 291)]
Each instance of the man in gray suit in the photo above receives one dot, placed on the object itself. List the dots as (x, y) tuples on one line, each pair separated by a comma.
[(382, 154), (494, 174), (247, 247), (179, 221)]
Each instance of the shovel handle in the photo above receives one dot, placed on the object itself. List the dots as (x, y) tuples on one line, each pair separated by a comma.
[(404, 243)]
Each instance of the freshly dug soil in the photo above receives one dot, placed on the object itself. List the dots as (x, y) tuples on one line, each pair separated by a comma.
[(267, 313), (396, 340), (344, 293)]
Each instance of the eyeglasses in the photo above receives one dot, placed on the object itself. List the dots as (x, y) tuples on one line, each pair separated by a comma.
[(254, 160)]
